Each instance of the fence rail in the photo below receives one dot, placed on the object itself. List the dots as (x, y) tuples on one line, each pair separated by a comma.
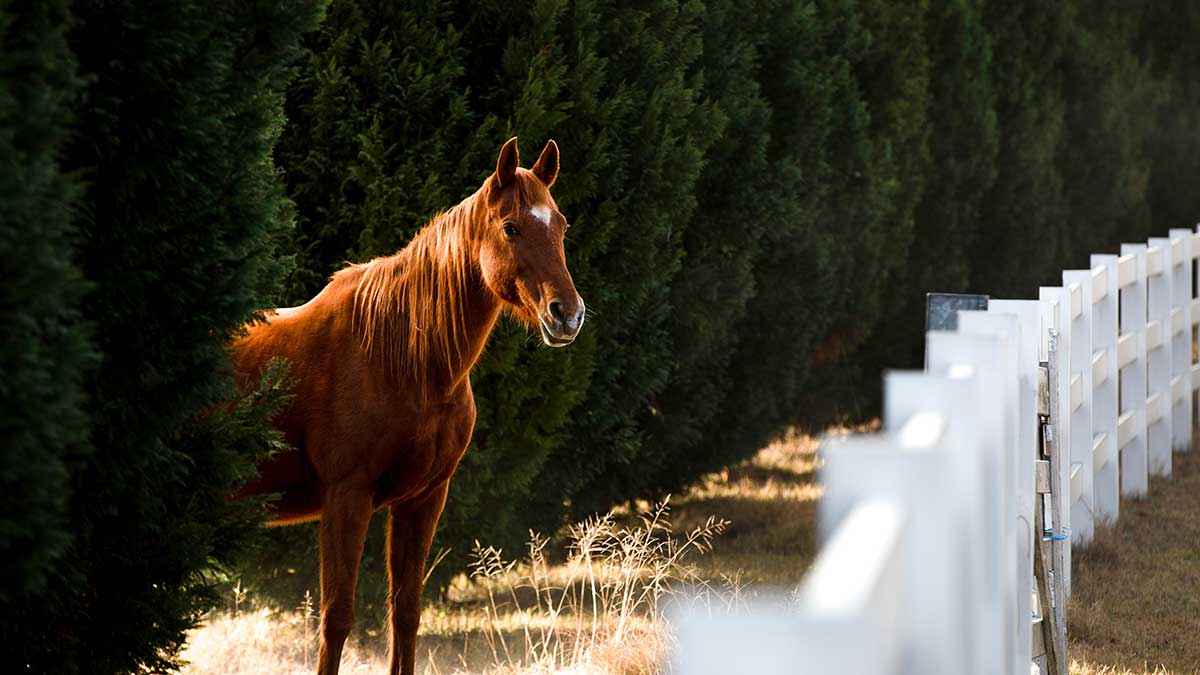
[(928, 528)]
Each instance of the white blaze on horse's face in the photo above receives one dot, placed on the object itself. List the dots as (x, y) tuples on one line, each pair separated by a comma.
[(541, 213)]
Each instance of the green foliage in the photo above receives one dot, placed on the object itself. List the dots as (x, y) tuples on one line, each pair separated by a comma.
[(1166, 43), (963, 143), (640, 99), (879, 156), (760, 221), (1111, 113), (178, 222), (1021, 233), (45, 346), (710, 293), (380, 135)]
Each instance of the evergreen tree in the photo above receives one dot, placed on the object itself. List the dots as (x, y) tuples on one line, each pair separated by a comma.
[(381, 134), (1112, 101), (45, 347), (878, 180), (963, 144), (836, 179), (1021, 237), (1167, 44), (180, 212), (709, 296), (759, 194)]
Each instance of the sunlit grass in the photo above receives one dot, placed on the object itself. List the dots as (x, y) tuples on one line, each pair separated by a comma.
[(266, 642), (601, 610), (1087, 668)]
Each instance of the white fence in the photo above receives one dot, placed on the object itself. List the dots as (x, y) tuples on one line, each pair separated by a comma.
[(928, 528)]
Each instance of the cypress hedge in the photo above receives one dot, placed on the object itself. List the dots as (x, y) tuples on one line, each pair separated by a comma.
[(1165, 43), (175, 231), (1021, 236), (963, 143), (43, 428), (1112, 103)]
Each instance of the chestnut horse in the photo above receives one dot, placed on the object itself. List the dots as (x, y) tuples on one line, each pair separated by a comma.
[(382, 358)]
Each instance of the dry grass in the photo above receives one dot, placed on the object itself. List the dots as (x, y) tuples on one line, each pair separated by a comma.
[(1136, 601), (264, 642), (1085, 668), (770, 502), (1135, 609), (601, 610)]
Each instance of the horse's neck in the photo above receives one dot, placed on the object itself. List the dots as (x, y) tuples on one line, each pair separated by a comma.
[(477, 306), (480, 311)]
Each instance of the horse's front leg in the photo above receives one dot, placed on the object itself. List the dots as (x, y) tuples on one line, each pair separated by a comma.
[(345, 514), (409, 536)]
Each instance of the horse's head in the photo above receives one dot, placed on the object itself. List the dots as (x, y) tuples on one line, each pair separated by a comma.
[(521, 255)]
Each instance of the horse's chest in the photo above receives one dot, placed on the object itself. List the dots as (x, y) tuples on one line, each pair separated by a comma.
[(426, 458)]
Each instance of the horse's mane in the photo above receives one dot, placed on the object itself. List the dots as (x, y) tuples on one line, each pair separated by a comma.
[(408, 307)]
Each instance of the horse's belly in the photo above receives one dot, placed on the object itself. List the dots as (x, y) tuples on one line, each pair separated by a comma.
[(289, 475)]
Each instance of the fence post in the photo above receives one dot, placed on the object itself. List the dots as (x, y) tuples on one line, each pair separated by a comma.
[(1194, 289), (953, 566), (1014, 376), (1055, 306), (1029, 336), (1181, 344), (1131, 361), (1181, 337), (1192, 330), (1079, 377), (908, 568), (1158, 355), (983, 356), (1106, 482)]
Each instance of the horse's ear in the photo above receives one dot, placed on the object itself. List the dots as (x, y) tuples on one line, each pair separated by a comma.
[(506, 166), (547, 165)]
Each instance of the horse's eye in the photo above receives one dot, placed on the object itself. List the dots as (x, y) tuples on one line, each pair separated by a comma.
[(511, 230)]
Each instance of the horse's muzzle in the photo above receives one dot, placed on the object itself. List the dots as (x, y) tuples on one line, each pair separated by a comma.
[(560, 325)]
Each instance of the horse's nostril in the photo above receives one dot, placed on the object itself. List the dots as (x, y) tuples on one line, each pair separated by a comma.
[(556, 311)]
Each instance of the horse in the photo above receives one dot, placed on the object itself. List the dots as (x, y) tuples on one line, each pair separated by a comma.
[(382, 409)]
